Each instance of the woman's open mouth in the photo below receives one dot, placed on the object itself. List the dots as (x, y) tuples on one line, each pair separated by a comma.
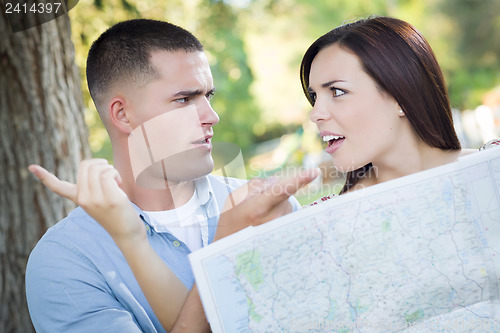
[(334, 142)]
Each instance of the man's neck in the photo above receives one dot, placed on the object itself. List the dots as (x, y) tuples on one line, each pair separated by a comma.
[(173, 196), (169, 195)]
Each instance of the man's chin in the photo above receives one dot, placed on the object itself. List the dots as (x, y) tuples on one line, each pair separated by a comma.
[(193, 172), (160, 174)]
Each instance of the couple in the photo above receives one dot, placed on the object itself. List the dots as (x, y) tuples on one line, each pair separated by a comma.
[(379, 102)]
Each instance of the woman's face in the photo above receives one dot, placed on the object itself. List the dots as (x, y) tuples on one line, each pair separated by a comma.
[(358, 122)]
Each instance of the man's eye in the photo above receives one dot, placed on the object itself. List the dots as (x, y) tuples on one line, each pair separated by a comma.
[(337, 92), (182, 100)]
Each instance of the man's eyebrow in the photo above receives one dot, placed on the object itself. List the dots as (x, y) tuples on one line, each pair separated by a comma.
[(188, 93), (191, 93)]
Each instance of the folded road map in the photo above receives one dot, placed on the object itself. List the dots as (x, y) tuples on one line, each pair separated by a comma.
[(417, 254)]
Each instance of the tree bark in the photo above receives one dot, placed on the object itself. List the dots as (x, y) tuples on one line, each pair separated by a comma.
[(42, 122)]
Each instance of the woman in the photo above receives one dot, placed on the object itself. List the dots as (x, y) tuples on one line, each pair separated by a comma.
[(381, 105), (379, 100)]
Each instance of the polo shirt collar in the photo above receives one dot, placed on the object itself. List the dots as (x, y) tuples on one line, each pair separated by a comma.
[(203, 189)]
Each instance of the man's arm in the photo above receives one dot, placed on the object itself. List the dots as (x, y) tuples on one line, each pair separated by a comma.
[(192, 317), (99, 194), (66, 293), (255, 203)]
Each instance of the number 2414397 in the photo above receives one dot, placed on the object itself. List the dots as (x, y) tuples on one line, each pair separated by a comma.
[(35, 8)]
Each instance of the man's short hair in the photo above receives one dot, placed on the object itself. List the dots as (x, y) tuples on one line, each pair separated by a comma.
[(122, 54)]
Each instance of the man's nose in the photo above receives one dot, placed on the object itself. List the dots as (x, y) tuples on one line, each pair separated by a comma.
[(207, 114)]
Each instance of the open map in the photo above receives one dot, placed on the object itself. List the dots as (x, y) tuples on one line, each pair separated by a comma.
[(417, 254)]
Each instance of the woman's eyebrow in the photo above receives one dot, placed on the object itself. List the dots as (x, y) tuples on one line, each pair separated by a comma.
[(327, 84)]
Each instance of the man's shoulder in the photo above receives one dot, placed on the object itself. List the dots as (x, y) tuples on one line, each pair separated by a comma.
[(77, 228), (74, 244), (77, 218), (77, 280)]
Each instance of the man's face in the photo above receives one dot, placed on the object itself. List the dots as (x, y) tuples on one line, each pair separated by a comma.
[(172, 120)]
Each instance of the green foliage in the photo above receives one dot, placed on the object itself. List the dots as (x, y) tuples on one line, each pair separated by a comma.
[(127, 6), (222, 38), (476, 24), (255, 48)]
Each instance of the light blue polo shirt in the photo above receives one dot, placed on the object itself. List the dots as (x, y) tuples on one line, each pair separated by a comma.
[(77, 280)]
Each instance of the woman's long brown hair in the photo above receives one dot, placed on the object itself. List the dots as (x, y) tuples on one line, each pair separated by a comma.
[(403, 65)]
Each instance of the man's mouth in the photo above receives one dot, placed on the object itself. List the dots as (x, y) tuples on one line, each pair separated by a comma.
[(203, 141), (331, 139)]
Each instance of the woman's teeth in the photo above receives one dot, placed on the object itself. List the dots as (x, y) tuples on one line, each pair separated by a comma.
[(331, 138)]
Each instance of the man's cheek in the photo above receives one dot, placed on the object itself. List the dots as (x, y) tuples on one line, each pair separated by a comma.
[(172, 132), (163, 136)]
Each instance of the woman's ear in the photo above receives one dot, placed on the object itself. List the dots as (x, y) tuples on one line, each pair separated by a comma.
[(118, 115)]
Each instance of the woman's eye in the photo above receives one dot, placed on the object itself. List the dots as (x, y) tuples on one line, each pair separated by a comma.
[(312, 95), (209, 95), (337, 92)]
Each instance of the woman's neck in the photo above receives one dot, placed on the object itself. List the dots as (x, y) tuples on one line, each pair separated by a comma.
[(411, 160)]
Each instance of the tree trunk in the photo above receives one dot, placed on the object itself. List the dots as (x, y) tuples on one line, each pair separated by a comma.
[(42, 122)]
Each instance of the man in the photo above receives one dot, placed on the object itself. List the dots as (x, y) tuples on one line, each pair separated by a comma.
[(151, 84)]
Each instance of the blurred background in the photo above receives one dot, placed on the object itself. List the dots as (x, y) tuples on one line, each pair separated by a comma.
[(254, 48)]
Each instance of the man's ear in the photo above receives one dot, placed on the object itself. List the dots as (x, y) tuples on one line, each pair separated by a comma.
[(118, 115)]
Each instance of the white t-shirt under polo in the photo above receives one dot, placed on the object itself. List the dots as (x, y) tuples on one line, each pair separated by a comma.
[(182, 222)]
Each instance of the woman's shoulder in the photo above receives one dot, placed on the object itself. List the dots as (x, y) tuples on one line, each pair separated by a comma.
[(490, 144), (320, 200), (487, 145)]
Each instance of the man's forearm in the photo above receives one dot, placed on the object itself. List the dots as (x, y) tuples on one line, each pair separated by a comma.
[(192, 317), (163, 290)]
